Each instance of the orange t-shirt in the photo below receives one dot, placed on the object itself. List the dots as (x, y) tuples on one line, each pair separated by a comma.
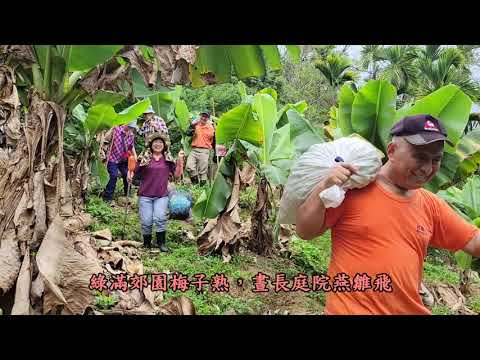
[(376, 232), (203, 137)]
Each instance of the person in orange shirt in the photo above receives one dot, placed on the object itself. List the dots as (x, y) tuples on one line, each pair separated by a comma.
[(203, 134), (380, 233)]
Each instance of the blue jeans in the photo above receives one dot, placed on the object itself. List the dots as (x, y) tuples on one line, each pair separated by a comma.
[(153, 211), (113, 169)]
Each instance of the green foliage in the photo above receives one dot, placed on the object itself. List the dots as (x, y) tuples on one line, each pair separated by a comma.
[(217, 63), (221, 97), (373, 110), (335, 69), (372, 113), (247, 198), (417, 71), (475, 303), (214, 199), (105, 302), (303, 81), (112, 217), (84, 57), (441, 310), (466, 203), (313, 256), (439, 273), (239, 124)]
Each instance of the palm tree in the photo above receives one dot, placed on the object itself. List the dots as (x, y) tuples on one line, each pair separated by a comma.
[(370, 56), (445, 66), (335, 67), (400, 67)]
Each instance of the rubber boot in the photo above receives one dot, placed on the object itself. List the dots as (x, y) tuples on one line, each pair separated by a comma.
[(161, 241), (147, 241), (203, 182), (194, 179)]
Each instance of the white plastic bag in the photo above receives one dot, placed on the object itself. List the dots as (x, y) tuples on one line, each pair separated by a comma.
[(317, 162)]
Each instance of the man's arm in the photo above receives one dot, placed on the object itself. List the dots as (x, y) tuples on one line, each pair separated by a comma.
[(473, 246), (311, 214), (191, 129)]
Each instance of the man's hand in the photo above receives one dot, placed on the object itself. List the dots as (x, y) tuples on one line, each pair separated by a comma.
[(130, 176), (339, 175), (473, 246), (311, 214)]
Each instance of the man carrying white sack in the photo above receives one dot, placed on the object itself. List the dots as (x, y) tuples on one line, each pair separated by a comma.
[(380, 233)]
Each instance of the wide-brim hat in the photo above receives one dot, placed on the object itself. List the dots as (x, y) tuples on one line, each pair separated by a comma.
[(158, 135)]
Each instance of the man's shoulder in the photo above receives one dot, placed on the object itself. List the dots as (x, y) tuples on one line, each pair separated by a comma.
[(429, 197)]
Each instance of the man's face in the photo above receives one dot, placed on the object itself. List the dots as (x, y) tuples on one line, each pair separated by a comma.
[(204, 118), (149, 116), (414, 165)]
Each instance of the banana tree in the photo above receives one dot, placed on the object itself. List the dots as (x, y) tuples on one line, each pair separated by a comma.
[(466, 203), (270, 140), (371, 112), (218, 63), (89, 127)]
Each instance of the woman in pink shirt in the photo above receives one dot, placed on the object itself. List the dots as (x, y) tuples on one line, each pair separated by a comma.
[(154, 170)]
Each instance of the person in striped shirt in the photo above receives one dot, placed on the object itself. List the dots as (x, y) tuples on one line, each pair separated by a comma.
[(121, 146)]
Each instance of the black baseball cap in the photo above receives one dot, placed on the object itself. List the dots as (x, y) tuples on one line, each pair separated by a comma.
[(420, 130), (206, 113)]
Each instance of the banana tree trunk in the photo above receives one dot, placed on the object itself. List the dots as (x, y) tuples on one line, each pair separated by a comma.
[(34, 191), (261, 239)]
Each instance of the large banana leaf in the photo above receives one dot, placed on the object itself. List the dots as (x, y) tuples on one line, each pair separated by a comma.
[(302, 133), (272, 56), (272, 92), (107, 98), (99, 171), (471, 194), (468, 150), (294, 52), (300, 107), (344, 115), (445, 174), (214, 200), (265, 109), (215, 63), (84, 57), (182, 118), (163, 102), (253, 153), (182, 115), (466, 203), (281, 149), (373, 111), (103, 116), (239, 123), (451, 106), (281, 144)]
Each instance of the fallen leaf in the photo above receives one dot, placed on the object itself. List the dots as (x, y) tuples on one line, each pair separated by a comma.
[(127, 243), (247, 174), (180, 305), (50, 257), (78, 222), (9, 260), (103, 234), (22, 292), (135, 268)]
